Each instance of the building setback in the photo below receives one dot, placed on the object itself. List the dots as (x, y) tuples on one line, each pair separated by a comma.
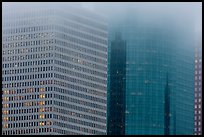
[(54, 71)]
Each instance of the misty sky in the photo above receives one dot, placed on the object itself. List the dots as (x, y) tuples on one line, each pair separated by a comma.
[(185, 12), (188, 13)]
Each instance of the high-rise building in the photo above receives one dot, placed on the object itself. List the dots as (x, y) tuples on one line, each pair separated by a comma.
[(150, 77), (198, 90), (54, 71), (116, 92)]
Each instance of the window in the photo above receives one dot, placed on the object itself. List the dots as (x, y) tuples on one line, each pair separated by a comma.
[(41, 102), (199, 106), (42, 116), (42, 123), (195, 94), (42, 96), (5, 125), (195, 129), (42, 89)]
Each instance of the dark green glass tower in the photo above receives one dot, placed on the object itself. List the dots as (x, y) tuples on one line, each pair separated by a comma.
[(117, 88), (151, 93)]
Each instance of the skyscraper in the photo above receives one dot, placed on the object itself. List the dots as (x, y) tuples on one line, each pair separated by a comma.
[(54, 71), (116, 103), (198, 89), (156, 89)]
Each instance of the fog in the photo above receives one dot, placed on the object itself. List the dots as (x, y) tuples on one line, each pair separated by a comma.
[(184, 18), (182, 14)]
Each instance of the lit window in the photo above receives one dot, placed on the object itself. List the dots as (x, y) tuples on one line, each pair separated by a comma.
[(42, 102), (42, 116), (6, 105), (6, 92), (25, 103), (5, 118), (42, 109), (42, 96), (6, 125), (42, 89), (42, 123), (6, 99)]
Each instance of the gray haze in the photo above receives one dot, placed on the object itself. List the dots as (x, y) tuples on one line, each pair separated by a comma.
[(183, 14), (187, 14)]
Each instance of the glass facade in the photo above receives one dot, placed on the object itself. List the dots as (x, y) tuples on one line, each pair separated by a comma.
[(159, 81), (116, 93), (54, 71)]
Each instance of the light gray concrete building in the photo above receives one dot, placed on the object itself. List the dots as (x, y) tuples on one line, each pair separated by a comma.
[(198, 89), (54, 71)]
